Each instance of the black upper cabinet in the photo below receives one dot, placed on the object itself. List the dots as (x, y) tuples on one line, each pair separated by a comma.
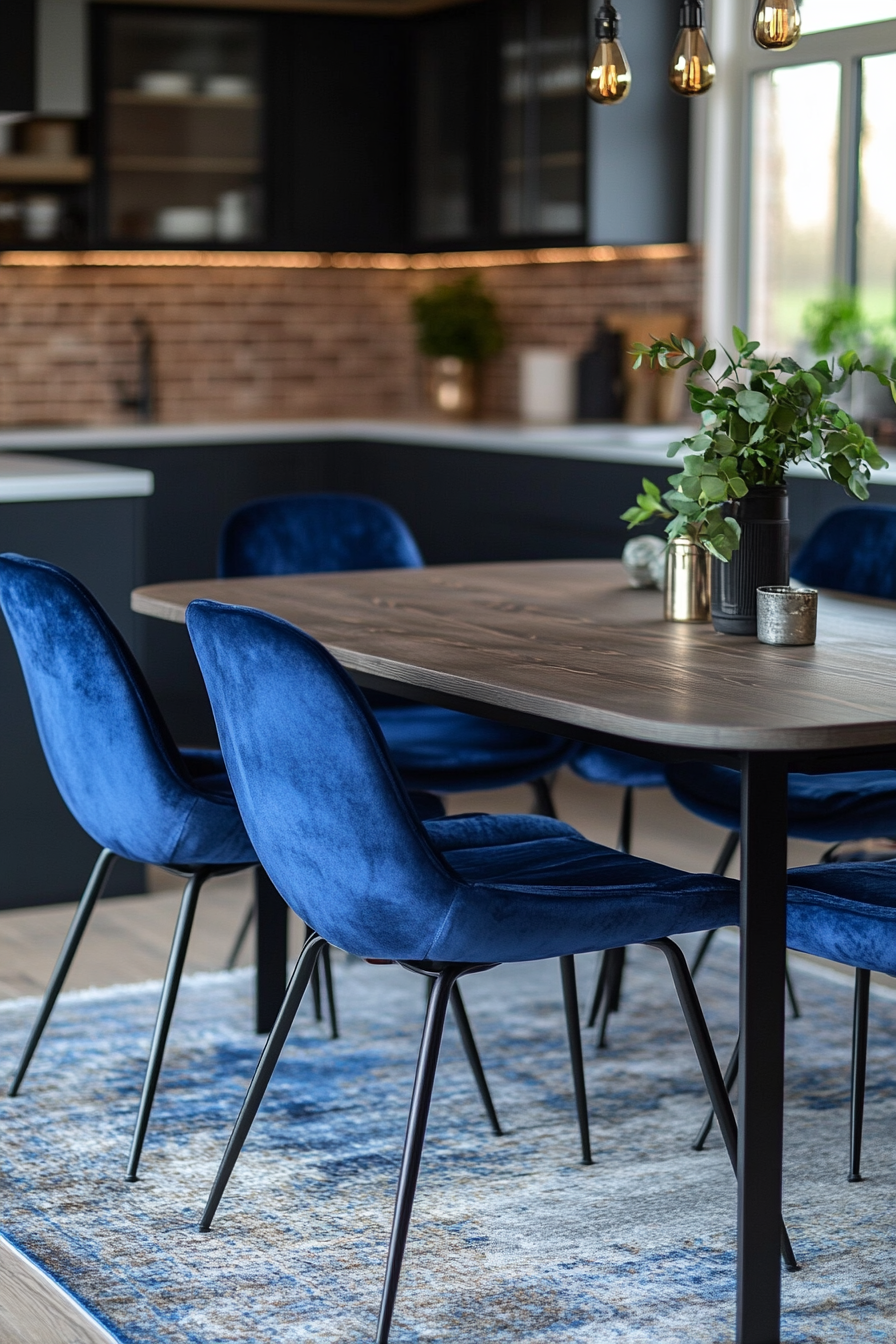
[(338, 136), (500, 124), (17, 28), (460, 128)]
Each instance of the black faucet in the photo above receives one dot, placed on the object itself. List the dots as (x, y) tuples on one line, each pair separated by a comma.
[(143, 400)]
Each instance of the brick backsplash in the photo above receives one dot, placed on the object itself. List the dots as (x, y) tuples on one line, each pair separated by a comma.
[(240, 344)]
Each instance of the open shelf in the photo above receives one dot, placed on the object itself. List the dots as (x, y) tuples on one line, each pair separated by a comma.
[(42, 168), (178, 163), (134, 98)]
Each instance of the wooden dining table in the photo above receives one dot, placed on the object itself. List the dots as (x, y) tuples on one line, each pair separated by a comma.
[(568, 647)]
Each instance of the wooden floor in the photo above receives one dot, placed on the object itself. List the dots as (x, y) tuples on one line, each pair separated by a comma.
[(129, 937)]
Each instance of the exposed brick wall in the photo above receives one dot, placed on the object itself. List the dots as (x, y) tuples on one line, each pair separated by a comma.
[(267, 344)]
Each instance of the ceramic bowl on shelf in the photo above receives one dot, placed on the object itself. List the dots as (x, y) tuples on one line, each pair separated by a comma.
[(165, 83), (185, 223), (228, 86)]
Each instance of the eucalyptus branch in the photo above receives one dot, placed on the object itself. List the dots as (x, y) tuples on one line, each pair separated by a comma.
[(758, 420)]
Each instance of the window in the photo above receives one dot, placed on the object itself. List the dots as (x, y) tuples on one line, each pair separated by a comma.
[(820, 16), (796, 115), (876, 251), (821, 200)]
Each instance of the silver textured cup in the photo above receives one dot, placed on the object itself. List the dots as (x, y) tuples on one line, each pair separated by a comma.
[(786, 615)]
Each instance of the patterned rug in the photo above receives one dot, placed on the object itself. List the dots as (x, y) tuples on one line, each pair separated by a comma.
[(512, 1239)]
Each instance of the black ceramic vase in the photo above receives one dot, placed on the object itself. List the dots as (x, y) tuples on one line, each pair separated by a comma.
[(763, 557)]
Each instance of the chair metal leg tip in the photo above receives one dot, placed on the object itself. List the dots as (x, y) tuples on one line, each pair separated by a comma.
[(854, 1178), (131, 1177)]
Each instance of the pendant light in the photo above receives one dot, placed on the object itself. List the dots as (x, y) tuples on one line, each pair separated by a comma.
[(692, 69), (609, 77), (776, 24)]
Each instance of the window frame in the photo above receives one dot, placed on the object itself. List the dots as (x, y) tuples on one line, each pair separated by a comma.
[(728, 166)]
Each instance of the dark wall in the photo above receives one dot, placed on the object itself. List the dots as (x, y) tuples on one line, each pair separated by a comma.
[(639, 149)]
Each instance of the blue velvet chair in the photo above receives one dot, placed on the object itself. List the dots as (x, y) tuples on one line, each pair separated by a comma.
[(124, 780), (119, 772), (330, 819), (437, 750), (846, 912), (851, 551)]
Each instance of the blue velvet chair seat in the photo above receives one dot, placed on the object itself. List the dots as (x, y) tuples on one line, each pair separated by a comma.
[(828, 807), (535, 888), (441, 749), (845, 912), (605, 765)]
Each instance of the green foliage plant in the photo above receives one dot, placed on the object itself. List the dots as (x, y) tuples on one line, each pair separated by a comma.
[(758, 419), (458, 319), (840, 323)]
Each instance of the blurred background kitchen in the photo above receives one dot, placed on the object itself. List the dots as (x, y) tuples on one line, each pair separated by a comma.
[(391, 247)]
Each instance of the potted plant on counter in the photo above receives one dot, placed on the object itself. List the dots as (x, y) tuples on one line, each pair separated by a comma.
[(458, 328), (759, 417)]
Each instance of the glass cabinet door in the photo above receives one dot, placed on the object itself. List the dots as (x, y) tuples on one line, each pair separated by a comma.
[(543, 54), (183, 129)]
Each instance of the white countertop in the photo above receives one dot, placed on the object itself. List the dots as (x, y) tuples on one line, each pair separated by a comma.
[(633, 445), (27, 479)]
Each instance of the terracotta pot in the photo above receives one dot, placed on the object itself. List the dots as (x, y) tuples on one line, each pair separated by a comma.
[(454, 387)]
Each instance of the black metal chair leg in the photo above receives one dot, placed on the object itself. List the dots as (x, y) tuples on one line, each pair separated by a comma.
[(730, 1079), (859, 1065), (472, 1053), (573, 1031), (176, 958), (791, 992), (413, 1143), (599, 989), (624, 838), (295, 992), (315, 993), (709, 1065), (544, 799), (242, 935), (92, 892), (612, 991), (726, 854), (331, 993)]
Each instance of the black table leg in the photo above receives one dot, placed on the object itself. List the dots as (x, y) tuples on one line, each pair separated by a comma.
[(761, 1099), (271, 913)]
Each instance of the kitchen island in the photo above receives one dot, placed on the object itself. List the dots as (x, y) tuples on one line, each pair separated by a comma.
[(89, 518)]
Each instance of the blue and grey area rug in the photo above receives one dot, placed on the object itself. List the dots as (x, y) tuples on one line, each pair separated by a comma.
[(512, 1240)]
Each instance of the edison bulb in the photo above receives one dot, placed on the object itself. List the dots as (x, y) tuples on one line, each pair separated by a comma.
[(692, 69), (609, 77), (777, 24)]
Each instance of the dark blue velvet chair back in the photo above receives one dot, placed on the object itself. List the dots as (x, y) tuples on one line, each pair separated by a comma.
[(106, 744), (853, 550), (310, 534), (323, 804)]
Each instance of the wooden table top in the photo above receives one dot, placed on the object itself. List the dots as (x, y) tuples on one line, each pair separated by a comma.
[(568, 642)]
